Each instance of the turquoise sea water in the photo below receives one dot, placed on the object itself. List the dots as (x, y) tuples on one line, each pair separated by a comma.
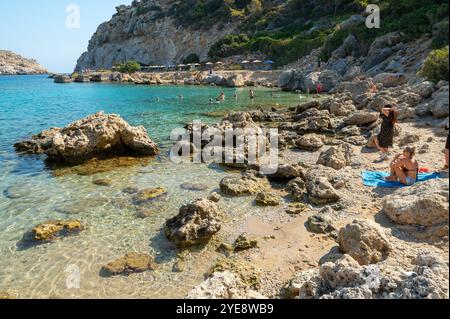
[(30, 193)]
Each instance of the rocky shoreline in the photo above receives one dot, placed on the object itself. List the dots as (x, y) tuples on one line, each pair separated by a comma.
[(14, 64), (218, 78)]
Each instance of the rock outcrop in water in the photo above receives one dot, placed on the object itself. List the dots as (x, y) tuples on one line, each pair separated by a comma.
[(128, 264), (14, 64), (195, 224), (96, 135)]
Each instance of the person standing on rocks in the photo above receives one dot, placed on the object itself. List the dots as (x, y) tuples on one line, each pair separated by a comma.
[(385, 139)]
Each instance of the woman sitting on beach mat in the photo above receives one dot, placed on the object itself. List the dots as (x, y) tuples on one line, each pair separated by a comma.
[(385, 139), (404, 167)]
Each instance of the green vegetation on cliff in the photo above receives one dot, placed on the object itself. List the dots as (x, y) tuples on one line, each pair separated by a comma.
[(287, 31), (435, 67)]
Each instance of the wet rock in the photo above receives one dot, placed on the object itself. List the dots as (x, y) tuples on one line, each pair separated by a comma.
[(224, 285), (194, 187), (195, 224), (250, 183), (128, 264), (320, 224), (52, 229), (361, 118), (215, 197), (15, 192), (297, 188), (365, 241), (149, 195), (130, 190), (103, 182), (424, 204), (336, 157), (245, 243), (144, 212), (267, 199), (310, 142), (98, 134)]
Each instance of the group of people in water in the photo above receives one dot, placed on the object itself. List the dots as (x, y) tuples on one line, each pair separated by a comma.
[(404, 167), (221, 97)]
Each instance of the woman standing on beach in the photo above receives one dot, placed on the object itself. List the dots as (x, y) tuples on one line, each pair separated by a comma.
[(385, 139)]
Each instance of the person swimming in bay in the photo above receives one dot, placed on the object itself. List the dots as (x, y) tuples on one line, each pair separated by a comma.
[(221, 97), (251, 94), (404, 167)]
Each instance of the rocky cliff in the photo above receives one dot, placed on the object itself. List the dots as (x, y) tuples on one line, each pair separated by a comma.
[(147, 33), (14, 64)]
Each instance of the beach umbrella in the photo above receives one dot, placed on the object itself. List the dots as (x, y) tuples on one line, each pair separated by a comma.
[(219, 62), (269, 62), (257, 61), (209, 63), (181, 65), (245, 62)]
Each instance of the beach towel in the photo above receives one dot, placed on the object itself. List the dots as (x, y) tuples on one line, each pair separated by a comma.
[(376, 179)]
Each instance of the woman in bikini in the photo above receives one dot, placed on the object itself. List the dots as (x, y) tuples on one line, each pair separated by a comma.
[(404, 167)]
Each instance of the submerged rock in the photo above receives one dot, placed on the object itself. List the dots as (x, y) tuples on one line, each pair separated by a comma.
[(98, 134), (365, 241), (194, 187), (103, 182), (130, 263), (195, 224), (249, 183), (149, 195), (215, 197), (52, 229)]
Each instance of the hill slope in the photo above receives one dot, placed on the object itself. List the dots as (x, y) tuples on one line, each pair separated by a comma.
[(14, 64), (165, 32)]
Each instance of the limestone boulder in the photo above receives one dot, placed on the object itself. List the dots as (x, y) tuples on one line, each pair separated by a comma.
[(224, 285), (128, 264), (195, 224), (424, 204), (365, 241), (249, 183), (95, 135), (336, 157)]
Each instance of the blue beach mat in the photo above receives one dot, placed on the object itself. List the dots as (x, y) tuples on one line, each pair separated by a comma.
[(376, 179)]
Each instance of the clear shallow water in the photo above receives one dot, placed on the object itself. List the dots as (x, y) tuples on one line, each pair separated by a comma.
[(33, 103)]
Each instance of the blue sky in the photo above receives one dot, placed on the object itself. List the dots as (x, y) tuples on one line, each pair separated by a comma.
[(37, 29)]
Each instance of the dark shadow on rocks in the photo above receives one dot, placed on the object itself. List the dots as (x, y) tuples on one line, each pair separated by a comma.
[(408, 233), (165, 250), (333, 255)]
